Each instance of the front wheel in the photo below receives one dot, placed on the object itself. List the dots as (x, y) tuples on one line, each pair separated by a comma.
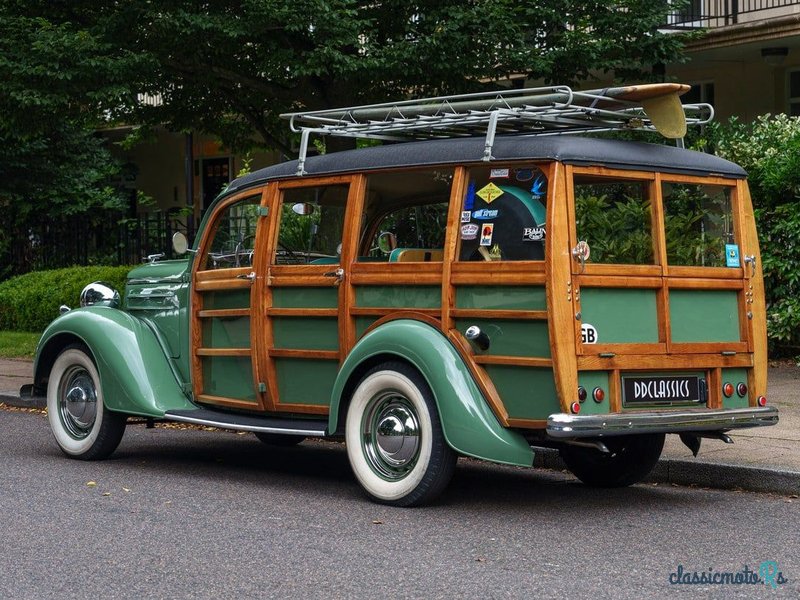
[(629, 460), (81, 424), (394, 437)]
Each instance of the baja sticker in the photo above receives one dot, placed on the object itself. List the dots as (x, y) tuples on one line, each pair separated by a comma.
[(524, 174), (470, 231), (487, 231), (469, 199), (498, 174), (533, 234), (732, 255), (484, 214), (489, 192), (466, 216), (588, 334)]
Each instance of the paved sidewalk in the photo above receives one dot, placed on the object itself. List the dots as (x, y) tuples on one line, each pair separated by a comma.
[(765, 459)]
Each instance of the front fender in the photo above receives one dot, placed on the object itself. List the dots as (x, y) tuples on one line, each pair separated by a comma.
[(135, 373), (469, 425)]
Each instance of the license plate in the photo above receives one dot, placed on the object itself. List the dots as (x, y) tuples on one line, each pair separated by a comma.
[(677, 389)]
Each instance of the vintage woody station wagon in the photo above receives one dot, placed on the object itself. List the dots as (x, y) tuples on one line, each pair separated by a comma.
[(483, 294)]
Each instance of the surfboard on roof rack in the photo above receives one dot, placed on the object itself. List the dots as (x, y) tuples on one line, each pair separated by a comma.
[(540, 111)]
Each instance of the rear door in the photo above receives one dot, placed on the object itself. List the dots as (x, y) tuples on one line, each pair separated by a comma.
[(660, 289)]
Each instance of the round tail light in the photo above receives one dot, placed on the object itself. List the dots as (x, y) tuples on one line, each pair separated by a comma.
[(575, 407), (741, 389), (727, 389), (598, 394), (762, 401), (581, 394)]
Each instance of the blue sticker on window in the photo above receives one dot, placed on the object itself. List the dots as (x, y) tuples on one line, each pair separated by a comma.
[(732, 255), (469, 201)]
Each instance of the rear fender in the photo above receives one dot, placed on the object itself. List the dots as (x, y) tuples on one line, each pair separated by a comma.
[(470, 427), (135, 373)]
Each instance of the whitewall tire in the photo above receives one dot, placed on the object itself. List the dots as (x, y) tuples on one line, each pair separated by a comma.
[(81, 424), (394, 437)]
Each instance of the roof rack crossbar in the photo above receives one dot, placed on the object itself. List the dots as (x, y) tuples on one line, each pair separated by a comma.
[(553, 110)]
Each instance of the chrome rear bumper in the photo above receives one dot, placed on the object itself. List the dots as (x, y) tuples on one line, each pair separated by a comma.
[(563, 426)]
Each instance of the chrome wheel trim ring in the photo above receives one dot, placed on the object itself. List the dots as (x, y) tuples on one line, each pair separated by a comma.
[(391, 436), (77, 402)]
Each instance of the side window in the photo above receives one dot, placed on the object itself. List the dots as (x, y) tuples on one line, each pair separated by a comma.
[(406, 216), (699, 225), (503, 216), (614, 216), (234, 235), (312, 221)]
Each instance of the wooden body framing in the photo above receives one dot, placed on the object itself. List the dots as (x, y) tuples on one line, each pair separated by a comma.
[(559, 273)]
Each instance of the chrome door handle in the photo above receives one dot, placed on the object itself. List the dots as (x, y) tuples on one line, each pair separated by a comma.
[(751, 260), (251, 276)]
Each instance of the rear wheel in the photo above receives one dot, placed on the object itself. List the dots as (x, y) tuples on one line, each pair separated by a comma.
[(81, 424), (631, 458), (394, 437)]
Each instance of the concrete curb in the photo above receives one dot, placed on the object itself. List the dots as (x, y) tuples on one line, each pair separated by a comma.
[(702, 474), (668, 470), (16, 401)]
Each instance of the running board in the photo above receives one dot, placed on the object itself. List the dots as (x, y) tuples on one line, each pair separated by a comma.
[(224, 420)]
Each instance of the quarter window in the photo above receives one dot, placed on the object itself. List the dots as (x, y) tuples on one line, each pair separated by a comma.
[(503, 215)]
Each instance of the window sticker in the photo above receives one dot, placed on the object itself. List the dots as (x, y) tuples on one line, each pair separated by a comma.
[(469, 200), (484, 214), (533, 234), (470, 231), (489, 192), (466, 216), (524, 174), (498, 174), (486, 234), (537, 189), (732, 255), (495, 253)]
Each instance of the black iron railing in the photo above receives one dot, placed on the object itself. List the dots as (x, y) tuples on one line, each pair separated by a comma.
[(111, 239), (718, 13)]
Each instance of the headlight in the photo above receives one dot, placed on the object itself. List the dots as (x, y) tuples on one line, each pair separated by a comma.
[(99, 294)]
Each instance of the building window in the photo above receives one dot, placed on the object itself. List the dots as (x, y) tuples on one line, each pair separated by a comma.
[(700, 92), (794, 93)]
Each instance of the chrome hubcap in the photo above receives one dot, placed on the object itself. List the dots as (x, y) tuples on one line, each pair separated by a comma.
[(391, 436), (77, 402)]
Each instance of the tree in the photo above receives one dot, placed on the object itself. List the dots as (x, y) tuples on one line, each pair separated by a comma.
[(230, 68)]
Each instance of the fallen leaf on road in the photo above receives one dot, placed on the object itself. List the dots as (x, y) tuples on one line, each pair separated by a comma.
[(480, 559), (126, 490), (376, 522), (91, 483), (106, 493)]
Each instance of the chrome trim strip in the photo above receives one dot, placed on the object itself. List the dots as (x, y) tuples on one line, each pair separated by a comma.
[(562, 425), (209, 423)]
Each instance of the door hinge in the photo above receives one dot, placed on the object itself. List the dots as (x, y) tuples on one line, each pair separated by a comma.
[(263, 211), (262, 387)]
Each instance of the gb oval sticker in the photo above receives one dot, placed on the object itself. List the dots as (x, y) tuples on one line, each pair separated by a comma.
[(588, 334)]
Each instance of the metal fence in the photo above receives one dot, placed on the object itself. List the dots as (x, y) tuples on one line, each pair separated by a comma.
[(718, 13), (111, 239)]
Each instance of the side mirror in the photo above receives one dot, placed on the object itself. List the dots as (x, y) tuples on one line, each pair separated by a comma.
[(179, 243), (303, 208), (387, 241)]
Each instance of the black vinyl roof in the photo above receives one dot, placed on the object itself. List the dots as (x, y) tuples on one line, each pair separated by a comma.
[(569, 149)]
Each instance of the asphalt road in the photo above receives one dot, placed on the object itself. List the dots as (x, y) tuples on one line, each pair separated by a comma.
[(196, 514)]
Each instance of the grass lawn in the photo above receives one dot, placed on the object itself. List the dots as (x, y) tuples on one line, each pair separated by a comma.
[(18, 344)]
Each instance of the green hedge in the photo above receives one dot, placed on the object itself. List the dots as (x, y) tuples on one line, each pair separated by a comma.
[(29, 302)]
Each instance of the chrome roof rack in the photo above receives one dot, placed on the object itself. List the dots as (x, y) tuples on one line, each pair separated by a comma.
[(534, 111)]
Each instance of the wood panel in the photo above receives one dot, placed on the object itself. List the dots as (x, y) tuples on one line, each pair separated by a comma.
[(223, 313), (655, 362), (540, 315), (451, 244), (521, 361)]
